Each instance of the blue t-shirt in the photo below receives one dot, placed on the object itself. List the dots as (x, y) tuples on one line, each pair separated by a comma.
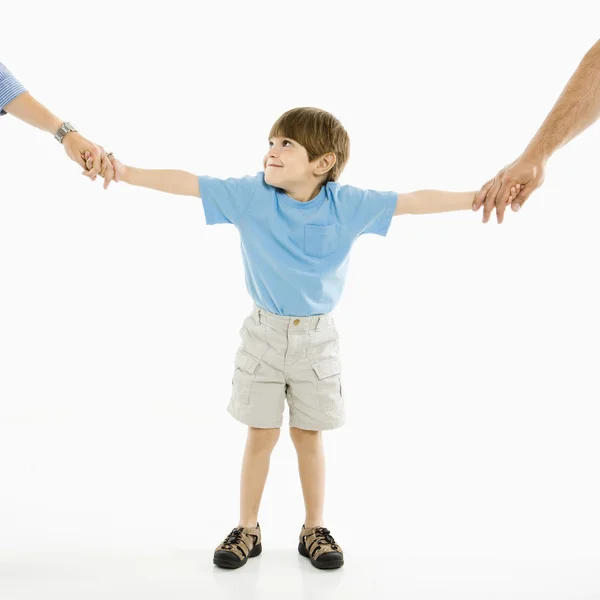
[(295, 254)]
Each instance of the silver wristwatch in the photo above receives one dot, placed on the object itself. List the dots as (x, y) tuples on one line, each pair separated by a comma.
[(64, 129)]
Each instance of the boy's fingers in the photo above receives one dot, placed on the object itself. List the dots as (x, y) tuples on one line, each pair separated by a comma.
[(108, 175), (103, 166), (518, 202), (113, 161), (503, 199)]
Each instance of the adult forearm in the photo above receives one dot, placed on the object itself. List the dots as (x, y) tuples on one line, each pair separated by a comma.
[(576, 109), (26, 108)]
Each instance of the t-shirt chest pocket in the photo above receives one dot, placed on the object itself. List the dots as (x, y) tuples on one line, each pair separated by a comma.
[(320, 240)]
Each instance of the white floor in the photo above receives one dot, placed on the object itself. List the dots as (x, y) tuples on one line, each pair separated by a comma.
[(182, 575)]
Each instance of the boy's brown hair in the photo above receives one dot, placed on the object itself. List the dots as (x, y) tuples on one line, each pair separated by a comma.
[(319, 132)]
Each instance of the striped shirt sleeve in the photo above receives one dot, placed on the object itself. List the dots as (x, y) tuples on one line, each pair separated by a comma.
[(10, 88)]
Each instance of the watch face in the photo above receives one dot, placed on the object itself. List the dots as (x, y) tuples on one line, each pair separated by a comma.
[(64, 129)]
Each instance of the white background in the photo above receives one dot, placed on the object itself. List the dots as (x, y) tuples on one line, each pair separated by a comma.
[(470, 352)]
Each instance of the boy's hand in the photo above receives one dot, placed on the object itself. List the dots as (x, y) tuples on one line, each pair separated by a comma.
[(119, 168), (514, 192), (111, 169)]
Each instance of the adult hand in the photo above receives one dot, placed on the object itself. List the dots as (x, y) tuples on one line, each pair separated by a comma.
[(527, 171), (76, 146), (107, 169)]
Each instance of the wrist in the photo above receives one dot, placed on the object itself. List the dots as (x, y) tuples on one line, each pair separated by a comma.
[(537, 154), (63, 130), (69, 137), (125, 174), (54, 125)]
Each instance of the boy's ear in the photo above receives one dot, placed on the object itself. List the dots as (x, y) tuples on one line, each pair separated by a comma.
[(325, 163)]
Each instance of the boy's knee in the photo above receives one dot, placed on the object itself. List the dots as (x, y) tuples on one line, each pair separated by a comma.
[(262, 439), (303, 437)]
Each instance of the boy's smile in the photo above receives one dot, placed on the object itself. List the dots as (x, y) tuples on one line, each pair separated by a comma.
[(287, 167), (286, 155)]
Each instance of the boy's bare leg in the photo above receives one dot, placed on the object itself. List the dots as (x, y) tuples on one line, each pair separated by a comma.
[(311, 465), (255, 468)]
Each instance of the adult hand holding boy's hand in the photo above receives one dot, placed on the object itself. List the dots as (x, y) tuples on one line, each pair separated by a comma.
[(527, 172), (76, 147), (107, 170)]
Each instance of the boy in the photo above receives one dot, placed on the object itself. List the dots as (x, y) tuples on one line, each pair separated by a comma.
[(297, 225)]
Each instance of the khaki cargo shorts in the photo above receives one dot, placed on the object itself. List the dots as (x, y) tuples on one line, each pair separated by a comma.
[(288, 358)]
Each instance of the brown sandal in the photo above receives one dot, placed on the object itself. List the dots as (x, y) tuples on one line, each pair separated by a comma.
[(318, 544), (240, 545)]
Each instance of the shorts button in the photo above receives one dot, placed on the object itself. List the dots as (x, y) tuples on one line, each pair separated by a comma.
[(296, 321)]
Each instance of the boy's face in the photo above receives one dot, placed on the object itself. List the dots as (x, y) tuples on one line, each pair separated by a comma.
[(286, 163)]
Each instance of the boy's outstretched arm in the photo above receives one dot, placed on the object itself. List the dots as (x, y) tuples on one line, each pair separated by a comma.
[(170, 181), (162, 180), (423, 202)]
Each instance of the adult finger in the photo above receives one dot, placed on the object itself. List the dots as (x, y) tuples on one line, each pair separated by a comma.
[(480, 196), (78, 158), (96, 153), (502, 199), (490, 200), (525, 192), (72, 149)]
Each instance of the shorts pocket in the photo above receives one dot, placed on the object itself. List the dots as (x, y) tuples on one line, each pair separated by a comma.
[(320, 240), (244, 374), (329, 382)]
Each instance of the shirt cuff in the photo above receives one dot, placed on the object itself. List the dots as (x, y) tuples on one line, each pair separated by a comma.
[(388, 214), (10, 88), (212, 214)]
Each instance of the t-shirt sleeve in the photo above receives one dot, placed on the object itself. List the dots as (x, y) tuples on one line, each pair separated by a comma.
[(225, 200), (10, 88), (366, 211)]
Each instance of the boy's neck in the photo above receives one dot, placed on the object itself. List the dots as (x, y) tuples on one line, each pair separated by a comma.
[(304, 193)]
